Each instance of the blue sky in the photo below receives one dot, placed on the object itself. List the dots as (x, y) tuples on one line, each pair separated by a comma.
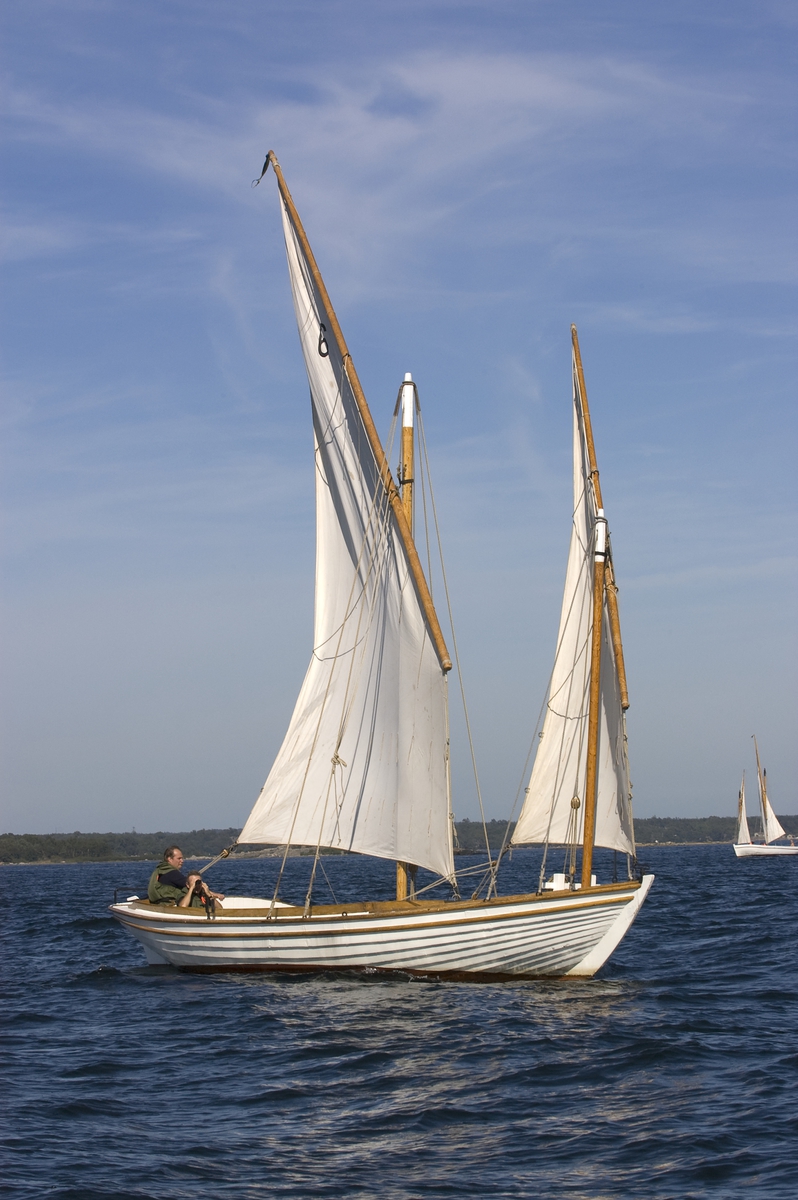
[(473, 177)]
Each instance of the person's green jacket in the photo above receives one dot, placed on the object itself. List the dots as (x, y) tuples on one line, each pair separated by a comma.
[(165, 893)]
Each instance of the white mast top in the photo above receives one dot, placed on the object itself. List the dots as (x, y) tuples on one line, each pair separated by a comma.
[(408, 402)]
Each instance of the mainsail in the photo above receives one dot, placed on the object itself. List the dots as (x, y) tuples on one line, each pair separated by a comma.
[(743, 836), (364, 764), (771, 825), (550, 814)]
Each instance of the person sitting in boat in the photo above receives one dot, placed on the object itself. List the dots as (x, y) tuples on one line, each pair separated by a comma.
[(198, 894), (168, 884)]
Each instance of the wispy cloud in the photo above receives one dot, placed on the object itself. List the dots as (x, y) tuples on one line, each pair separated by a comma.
[(396, 149), (29, 239), (650, 318), (21, 239), (140, 477)]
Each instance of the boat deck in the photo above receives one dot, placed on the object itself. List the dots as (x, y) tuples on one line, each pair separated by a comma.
[(378, 908)]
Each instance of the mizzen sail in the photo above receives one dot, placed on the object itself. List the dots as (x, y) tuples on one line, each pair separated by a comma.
[(772, 827), (364, 764), (743, 835), (559, 771)]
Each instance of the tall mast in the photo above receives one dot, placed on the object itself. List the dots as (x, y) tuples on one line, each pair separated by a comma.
[(603, 584), (591, 776), (406, 480), (612, 591), (762, 791), (406, 872), (392, 492)]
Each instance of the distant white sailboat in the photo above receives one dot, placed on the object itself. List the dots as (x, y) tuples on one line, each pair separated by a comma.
[(364, 766), (771, 826)]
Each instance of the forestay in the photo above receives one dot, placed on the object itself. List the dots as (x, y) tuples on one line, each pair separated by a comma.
[(558, 773), (364, 764)]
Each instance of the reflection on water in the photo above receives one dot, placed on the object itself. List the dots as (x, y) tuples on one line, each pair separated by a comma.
[(673, 1074)]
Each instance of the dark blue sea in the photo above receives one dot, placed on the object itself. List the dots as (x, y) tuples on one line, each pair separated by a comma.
[(674, 1073)]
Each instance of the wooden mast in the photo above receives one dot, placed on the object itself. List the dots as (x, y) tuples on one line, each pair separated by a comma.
[(392, 492), (591, 776), (762, 792), (600, 588), (612, 591), (406, 872), (406, 476)]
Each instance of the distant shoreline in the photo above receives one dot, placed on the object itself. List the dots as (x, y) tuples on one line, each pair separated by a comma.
[(110, 862), (52, 849)]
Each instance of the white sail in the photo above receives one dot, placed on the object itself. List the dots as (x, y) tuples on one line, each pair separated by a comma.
[(743, 836), (771, 825), (558, 773), (364, 764)]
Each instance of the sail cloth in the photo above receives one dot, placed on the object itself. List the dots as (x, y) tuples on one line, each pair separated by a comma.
[(559, 770), (364, 764), (771, 825), (743, 835)]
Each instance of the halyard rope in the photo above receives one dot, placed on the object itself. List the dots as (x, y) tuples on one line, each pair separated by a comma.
[(425, 459)]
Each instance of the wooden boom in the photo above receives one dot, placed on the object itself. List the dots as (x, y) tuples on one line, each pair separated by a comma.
[(392, 492)]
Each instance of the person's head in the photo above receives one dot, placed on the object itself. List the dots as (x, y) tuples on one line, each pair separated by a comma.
[(194, 879), (173, 855)]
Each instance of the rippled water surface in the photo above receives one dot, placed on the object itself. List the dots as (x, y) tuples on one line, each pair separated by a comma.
[(672, 1074)]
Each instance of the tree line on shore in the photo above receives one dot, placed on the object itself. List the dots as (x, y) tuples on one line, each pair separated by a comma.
[(204, 843)]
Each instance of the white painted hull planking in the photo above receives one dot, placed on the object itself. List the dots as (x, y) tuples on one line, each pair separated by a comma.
[(752, 850), (561, 933)]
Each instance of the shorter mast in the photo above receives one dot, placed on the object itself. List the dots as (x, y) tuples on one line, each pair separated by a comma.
[(406, 872), (772, 828), (579, 793), (603, 585), (762, 792), (612, 591), (743, 836), (406, 480), (591, 776)]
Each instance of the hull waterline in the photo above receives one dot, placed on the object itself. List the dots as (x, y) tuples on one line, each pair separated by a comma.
[(561, 933)]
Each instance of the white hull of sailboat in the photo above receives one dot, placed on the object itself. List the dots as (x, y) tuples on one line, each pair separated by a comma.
[(565, 933), (757, 850)]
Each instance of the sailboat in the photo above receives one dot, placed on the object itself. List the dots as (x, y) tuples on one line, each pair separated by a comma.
[(772, 828), (364, 766)]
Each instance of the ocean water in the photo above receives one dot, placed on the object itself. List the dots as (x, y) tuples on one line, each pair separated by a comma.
[(674, 1073)]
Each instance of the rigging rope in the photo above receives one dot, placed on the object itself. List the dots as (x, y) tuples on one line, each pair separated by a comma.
[(224, 854), (538, 733), (425, 461), (378, 544), (349, 609)]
